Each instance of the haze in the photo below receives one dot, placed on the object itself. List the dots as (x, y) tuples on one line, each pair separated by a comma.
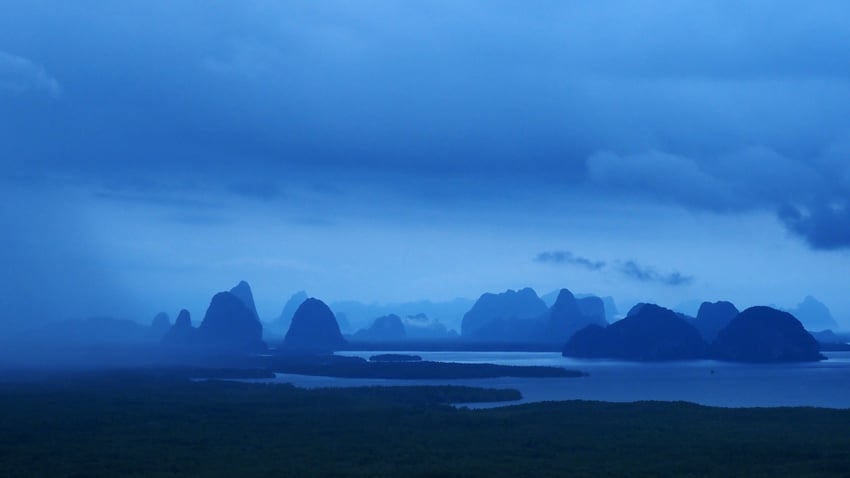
[(154, 153)]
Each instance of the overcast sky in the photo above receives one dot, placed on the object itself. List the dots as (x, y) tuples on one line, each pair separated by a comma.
[(156, 152)]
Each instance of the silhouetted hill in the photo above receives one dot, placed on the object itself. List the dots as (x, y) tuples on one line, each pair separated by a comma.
[(765, 334), (360, 315), (342, 321), (422, 327), (313, 329), (593, 341), (649, 333), (830, 341), (827, 337), (388, 328), (230, 325), (609, 308), (512, 330), (242, 291), (563, 313), (568, 315), (814, 315), (593, 308), (160, 325), (550, 297), (712, 317), (181, 334), (281, 324), (635, 309), (183, 320), (495, 317)]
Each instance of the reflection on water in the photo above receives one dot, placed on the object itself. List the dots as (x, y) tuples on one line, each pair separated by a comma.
[(819, 384)]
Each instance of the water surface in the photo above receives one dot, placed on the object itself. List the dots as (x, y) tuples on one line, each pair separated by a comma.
[(708, 382)]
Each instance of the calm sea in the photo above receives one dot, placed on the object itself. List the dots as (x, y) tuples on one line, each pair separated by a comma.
[(820, 384)]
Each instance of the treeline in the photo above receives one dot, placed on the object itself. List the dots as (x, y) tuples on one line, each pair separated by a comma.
[(155, 426)]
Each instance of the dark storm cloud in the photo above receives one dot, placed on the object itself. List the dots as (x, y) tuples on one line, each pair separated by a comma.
[(825, 226), (568, 258), (662, 176), (743, 179), (708, 105), (640, 273), (752, 178)]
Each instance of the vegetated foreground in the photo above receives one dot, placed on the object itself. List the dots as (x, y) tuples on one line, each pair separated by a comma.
[(123, 424)]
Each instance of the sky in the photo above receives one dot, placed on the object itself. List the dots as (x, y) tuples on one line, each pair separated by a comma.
[(153, 153)]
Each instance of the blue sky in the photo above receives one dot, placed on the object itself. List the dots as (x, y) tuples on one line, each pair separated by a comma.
[(154, 153)]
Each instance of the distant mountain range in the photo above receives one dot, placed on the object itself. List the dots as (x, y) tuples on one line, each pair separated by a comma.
[(653, 333), (580, 324)]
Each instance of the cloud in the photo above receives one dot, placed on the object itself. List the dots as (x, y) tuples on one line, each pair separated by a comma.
[(568, 258), (633, 270), (823, 226), (698, 105), (19, 75), (763, 177), (810, 196), (629, 269), (340, 86), (748, 178), (661, 176)]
